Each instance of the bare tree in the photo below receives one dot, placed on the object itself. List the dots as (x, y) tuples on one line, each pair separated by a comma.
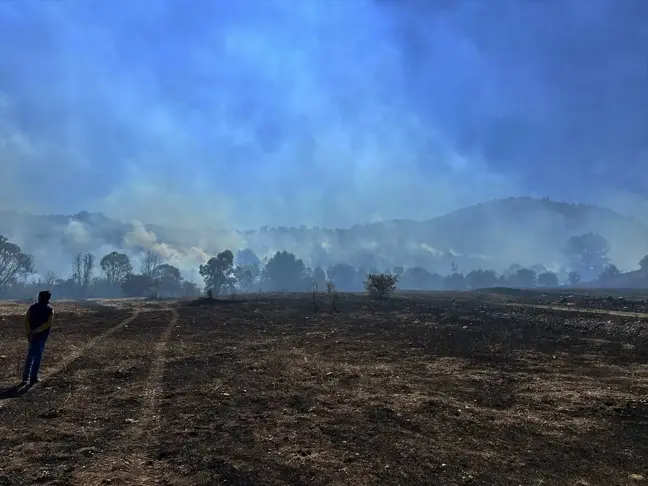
[(150, 263), (77, 270), (88, 267), (82, 268), (49, 279)]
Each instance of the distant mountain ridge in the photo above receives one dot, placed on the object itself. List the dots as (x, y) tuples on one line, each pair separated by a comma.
[(493, 234)]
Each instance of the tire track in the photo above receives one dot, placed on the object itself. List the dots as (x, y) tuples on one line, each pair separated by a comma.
[(76, 354), (154, 382), (137, 467)]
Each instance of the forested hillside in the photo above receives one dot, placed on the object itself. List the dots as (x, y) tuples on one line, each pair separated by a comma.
[(494, 235)]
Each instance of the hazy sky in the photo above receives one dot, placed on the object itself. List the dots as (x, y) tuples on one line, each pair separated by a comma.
[(325, 112)]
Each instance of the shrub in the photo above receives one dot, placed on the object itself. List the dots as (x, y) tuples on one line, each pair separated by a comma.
[(380, 285), (332, 294)]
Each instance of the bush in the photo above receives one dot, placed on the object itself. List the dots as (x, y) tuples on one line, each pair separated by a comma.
[(380, 285), (333, 295)]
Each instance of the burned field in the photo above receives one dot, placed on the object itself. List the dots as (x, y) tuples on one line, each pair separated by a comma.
[(425, 389)]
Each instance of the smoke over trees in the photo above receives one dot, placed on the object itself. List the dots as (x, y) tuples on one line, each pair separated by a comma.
[(587, 254), (586, 258)]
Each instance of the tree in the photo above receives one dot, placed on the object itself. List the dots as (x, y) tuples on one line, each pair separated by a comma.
[(512, 270), (14, 263), (481, 279), (88, 268), (318, 256), (151, 261), (65, 288), (364, 258), (50, 278), (418, 278), (82, 268), (343, 276), (247, 257), (548, 279), (524, 278), (218, 272), (380, 285), (361, 274), (246, 276), (609, 272), (539, 268), (137, 285), (77, 270), (574, 278), (115, 266), (454, 281), (167, 279), (643, 263), (190, 289), (319, 278), (285, 272), (563, 274), (587, 254)]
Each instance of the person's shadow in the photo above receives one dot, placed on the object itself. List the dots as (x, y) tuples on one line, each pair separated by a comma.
[(15, 391)]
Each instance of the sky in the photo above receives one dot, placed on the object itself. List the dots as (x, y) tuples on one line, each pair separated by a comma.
[(319, 112)]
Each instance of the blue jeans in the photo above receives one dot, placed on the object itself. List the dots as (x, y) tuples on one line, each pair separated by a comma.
[(34, 357)]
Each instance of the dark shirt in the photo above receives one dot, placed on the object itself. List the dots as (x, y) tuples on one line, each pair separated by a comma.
[(38, 321)]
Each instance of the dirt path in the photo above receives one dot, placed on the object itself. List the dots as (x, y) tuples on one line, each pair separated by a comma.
[(154, 381), (148, 424), (132, 464), (639, 315), (75, 355)]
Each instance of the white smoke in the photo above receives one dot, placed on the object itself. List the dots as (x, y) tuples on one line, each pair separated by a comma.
[(186, 259)]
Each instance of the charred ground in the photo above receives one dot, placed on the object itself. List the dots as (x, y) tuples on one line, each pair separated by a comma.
[(484, 389)]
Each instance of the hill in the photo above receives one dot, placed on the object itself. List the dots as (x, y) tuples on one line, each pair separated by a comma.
[(493, 234)]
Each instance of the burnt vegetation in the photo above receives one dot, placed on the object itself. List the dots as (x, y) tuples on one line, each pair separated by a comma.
[(273, 371), (447, 388)]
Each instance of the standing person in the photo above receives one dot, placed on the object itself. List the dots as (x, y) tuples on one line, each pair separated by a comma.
[(38, 323)]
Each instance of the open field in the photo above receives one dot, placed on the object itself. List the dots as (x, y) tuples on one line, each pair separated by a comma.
[(428, 389)]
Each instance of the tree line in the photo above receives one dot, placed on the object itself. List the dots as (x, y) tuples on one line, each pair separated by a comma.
[(114, 275)]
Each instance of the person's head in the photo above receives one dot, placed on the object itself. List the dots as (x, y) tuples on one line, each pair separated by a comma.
[(44, 296)]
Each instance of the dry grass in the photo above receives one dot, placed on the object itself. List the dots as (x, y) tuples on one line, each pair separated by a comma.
[(423, 390)]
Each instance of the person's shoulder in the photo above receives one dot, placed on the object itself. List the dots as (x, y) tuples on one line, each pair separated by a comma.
[(33, 306), (50, 308)]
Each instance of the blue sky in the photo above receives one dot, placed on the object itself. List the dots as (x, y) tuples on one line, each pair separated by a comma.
[(319, 112)]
